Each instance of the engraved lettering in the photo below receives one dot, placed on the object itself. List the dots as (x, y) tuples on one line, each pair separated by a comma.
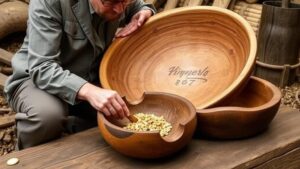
[(188, 77)]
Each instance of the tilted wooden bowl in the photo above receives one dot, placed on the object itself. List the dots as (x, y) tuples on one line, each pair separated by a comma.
[(248, 114), (202, 53), (175, 109)]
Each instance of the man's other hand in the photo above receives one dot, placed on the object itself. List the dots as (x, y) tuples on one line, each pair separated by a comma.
[(136, 22)]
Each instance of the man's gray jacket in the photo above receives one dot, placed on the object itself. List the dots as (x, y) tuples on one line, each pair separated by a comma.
[(60, 52)]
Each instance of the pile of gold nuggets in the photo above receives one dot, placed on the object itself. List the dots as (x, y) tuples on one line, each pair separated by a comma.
[(150, 122)]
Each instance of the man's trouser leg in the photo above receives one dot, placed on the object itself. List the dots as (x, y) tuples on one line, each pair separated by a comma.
[(40, 117)]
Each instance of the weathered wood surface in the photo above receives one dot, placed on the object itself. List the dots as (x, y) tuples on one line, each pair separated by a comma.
[(5, 57), (3, 78), (295, 1), (195, 2), (221, 3), (290, 159), (251, 12), (170, 4), (7, 121), (279, 39), (277, 146)]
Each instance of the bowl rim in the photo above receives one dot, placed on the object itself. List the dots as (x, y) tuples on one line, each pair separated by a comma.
[(243, 75), (276, 98)]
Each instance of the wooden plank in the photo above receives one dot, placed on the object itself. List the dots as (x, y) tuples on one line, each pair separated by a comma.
[(291, 159), (3, 78), (195, 2), (7, 120), (251, 1), (186, 2), (88, 150), (232, 4), (170, 4), (252, 6), (221, 3), (255, 11), (5, 57), (295, 2), (5, 110)]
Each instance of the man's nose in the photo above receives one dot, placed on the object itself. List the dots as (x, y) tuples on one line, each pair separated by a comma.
[(119, 8)]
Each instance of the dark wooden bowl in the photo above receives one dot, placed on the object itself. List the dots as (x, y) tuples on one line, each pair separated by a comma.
[(202, 53), (247, 115), (175, 109)]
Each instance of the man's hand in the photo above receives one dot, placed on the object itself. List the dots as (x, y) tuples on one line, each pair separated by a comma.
[(106, 101), (136, 22)]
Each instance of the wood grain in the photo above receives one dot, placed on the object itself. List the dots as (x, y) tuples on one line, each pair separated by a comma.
[(171, 4), (279, 39), (195, 2), (186, 2), (88, 150), (3, 78), (252, 6), (185, 51), (7, 121), (5, 57), (221, 3), (290, 159), (248, 114), (295, 2)]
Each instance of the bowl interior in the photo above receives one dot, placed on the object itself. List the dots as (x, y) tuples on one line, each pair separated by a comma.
[(175, 110), (256, 93), (202, 54), (248, 114)]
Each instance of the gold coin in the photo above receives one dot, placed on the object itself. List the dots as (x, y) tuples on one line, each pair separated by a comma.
[(12, 161)]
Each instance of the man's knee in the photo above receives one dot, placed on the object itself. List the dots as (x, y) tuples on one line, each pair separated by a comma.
[(40, 124), (51, 114), (40, 116)]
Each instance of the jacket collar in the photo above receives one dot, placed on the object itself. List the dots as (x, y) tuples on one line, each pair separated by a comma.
[(81, 11)]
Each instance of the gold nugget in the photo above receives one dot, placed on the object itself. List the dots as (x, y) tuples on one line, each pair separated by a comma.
[(150, 122)]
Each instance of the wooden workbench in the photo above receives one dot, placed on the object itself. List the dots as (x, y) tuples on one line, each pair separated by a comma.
[(278, 147)]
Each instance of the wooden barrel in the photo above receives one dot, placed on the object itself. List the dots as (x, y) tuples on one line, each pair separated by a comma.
[(278, 43)]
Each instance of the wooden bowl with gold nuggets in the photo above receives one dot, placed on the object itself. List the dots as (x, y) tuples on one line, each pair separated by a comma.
[(173, 121)]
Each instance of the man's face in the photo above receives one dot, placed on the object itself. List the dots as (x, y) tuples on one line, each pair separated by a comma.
[(110, 9)]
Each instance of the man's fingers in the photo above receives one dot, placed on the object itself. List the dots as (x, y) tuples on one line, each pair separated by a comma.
[(119, 108), (131, 27), (105, 111), (141, 20), (128, 29), (112, 111), (123, 104)]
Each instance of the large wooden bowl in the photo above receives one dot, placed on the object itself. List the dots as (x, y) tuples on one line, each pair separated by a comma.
[(175, 109), (202, 53), (247, 115)]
